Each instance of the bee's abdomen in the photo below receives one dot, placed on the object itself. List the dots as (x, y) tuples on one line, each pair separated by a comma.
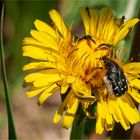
[(118, 83), (114, 79)]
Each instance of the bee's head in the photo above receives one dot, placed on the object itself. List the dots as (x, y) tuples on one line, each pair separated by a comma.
[(105, 59)]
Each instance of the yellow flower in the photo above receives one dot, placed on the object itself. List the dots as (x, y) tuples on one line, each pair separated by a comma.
[(105, 30), (76, 68), (50, 46), (59, 66)]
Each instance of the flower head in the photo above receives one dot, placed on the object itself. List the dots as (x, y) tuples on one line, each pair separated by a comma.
[(60, 66), (51, 47), (76, 68), (108, 31)]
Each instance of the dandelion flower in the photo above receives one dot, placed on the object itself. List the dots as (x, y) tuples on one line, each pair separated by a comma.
[(59, 66), (75, 68), (105, 30)]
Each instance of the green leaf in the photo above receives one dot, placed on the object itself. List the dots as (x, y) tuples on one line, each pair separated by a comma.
[(11, 128)]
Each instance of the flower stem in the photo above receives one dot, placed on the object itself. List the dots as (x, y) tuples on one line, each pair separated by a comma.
[(11, 128)]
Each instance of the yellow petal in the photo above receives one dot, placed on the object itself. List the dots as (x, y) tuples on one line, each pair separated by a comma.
[(135, 83), (114, 109), (85, 18), (58, 21), (64, 89), (93, 22), (70, 114), (57, 117), (110, 28), (105, 13), (125, 29), (103, 112), (72, 110), (44, 27), (41, 82), (45, 39), (47, 93), (109, 127), (34, 76), (99, 125), (33, 42), (38, 65), (132, 76), (47, 74), (62, 107), (47, 79), (33, 92), (44, 97), (134, 94), (68, 120), (133, 68), (29, 41), (109, 120), (128, 108), (125, 123), (102, 109), (36, 53)]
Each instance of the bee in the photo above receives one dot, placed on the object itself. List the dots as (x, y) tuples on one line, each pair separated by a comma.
[(114, 79)]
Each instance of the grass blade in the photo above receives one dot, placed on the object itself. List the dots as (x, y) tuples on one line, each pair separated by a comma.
[(11, 128)]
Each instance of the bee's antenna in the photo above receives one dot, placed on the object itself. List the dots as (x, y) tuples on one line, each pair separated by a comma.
[(104, 46), (107, 46), (87, 37)]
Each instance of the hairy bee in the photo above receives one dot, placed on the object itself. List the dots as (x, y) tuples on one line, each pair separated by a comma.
[(114, 79)]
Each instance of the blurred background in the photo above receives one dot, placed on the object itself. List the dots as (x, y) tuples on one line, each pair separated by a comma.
[(33, 121)]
